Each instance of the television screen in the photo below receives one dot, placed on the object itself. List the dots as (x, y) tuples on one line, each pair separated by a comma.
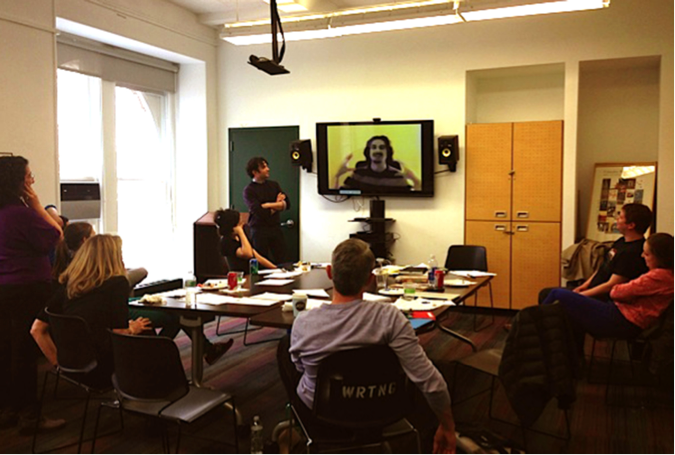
[(393, 158)]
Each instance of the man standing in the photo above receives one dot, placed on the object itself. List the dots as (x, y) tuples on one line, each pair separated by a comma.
[(331, 328), (265, 200), (623, 262)]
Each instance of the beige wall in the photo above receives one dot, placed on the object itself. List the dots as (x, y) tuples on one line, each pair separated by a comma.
[(27, 89), (423, 74)]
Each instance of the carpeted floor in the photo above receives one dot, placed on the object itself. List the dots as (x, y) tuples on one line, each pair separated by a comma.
[(250, 373)]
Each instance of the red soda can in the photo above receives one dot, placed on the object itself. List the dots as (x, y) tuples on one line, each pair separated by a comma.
[(232, 280), (440, 277)]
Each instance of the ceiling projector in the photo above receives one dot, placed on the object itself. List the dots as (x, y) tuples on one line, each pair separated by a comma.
[(269, 66)]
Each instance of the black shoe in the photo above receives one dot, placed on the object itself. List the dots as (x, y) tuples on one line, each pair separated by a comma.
[(27, 425), (217, 351), (8, 418)]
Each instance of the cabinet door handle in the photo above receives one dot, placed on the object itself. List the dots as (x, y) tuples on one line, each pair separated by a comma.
[(500, 227), (522, 228), (523, 214), (500, 214)]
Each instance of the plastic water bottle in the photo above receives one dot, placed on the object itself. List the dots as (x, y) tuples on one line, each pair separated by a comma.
[(190, 284), (257, 436), (433, 266)]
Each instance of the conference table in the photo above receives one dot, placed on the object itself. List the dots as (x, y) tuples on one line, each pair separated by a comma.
[(195, 316), (277, 318)]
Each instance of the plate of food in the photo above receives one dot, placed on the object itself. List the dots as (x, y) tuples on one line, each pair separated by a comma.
[(458, 283), (214, 285)]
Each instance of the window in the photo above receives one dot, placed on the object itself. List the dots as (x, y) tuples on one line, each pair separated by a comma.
[(122, 138)]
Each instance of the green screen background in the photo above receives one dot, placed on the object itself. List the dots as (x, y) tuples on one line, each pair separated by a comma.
[(406, 140)]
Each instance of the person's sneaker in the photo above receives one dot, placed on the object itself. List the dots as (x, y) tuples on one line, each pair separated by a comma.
[(217, 351), (27, 424), (8, 418)]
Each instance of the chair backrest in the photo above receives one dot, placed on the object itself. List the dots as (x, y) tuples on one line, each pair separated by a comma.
[(362, 388), (655, 331), (466, 257), (75, 352), (147, 368)]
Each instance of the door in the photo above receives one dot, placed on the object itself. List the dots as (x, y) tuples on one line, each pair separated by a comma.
[(495, 237), (537, 160), (272, 143), (488, 171), (535, 261)]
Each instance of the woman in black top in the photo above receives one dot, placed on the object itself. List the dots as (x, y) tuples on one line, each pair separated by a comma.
[(234, 243), (95, 288)]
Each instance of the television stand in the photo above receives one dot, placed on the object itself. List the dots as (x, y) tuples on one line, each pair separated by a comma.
[(377, 237)]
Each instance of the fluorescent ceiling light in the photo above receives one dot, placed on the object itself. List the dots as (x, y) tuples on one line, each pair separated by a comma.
[(334, 32), (631, 172), (561, 6), (289, 6), (401, 16)]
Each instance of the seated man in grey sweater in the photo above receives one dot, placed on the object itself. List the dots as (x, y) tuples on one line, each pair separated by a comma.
[(350, 322)]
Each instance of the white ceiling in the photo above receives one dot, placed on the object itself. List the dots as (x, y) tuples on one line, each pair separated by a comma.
[(218, 12)]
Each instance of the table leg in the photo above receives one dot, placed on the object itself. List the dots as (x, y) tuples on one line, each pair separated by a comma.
[(196, 327)]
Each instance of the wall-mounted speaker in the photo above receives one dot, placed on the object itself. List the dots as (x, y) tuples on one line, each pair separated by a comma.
[(448, 151), (301, 154)]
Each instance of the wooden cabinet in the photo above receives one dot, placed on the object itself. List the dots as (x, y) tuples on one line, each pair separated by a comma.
[(513, 206)]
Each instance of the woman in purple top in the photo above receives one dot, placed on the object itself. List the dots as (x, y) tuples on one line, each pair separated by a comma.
[(27, 235)]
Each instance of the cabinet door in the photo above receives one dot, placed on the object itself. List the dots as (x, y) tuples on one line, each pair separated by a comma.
[(493, 235), (488, 166), (537, 160), (535, 261)]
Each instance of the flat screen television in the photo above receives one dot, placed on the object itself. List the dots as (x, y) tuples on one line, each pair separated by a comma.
[(378, 158)]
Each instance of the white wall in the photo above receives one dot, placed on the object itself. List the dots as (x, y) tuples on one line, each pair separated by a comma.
[(618, 119), (422, 74), (156, 27), (28, 90)]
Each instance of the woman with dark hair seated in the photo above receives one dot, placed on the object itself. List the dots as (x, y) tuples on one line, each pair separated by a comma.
[(234, 243), (635, 306)]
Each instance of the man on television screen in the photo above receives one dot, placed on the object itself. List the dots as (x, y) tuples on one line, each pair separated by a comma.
[(380, 171), (265, 200)]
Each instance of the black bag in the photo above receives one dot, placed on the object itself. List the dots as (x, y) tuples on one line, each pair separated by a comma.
[(477, 439)]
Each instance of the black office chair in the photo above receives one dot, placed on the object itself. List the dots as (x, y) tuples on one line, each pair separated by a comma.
[(470, 257), (362, 397), (77, 363), (149, 380), (487, 362), (645, 339)]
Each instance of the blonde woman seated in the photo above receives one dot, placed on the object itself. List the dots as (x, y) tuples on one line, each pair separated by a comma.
[(95, 288)]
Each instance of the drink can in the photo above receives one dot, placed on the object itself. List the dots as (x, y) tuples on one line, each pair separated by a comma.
[(232, 280), (440, 279), (253, 266)]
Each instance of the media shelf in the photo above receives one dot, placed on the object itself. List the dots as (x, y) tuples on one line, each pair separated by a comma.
[(377, 237)]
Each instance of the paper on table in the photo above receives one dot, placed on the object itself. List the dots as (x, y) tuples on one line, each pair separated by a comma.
[(254, 301), (420, 304), (367, 296), (216, 299), (274, 282), (268, 271), (312, 292), (283, 275), (274, 296), (471, 273)]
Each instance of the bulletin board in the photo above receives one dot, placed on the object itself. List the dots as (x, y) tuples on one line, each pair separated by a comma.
[(614, 185)]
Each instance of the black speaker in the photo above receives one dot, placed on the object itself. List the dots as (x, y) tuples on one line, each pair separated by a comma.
[(301, 154), (448, 151)]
